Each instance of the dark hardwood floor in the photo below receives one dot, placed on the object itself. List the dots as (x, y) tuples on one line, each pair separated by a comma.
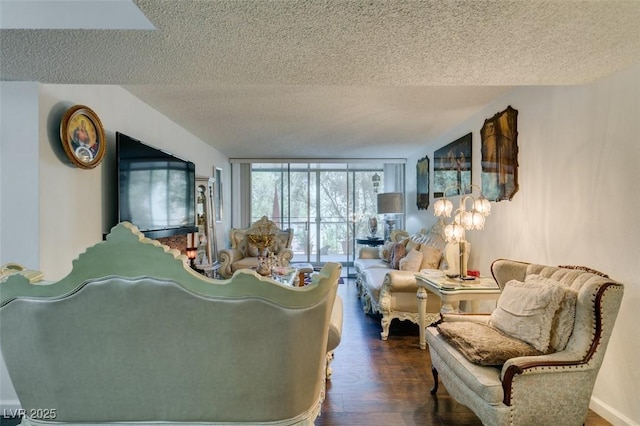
[(379, 382)]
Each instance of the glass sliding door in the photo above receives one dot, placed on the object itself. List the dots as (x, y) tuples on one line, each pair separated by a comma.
[(327, 205), (332, 213)]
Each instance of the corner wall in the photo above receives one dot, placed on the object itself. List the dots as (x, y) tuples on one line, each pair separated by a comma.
[(19, 225), (578, 202)]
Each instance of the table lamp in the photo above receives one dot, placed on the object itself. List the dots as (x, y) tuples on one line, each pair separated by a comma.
[(390, 204)]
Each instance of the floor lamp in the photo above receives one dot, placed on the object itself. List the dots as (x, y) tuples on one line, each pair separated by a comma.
[(390, 204)]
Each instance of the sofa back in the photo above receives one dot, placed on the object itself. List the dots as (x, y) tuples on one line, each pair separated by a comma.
[(597, 305), (132, 334)]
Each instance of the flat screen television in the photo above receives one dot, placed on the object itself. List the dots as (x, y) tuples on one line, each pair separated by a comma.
[(156, 190)]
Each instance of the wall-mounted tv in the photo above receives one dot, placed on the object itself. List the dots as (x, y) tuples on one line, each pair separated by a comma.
[(156, 190)]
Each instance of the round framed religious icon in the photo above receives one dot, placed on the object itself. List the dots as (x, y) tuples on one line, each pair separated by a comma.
[(82, 137)]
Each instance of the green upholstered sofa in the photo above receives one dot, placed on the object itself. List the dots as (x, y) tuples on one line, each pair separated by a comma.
[(132, 335)]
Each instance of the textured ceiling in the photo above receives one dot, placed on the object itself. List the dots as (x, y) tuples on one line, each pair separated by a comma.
[(332, 78)]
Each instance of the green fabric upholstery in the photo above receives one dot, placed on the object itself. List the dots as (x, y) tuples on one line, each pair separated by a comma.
[(133, 335)]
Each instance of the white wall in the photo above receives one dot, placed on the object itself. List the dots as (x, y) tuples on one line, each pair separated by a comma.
[(58, 210), (19, 155), (19, 229), (578, 203), (83, 201)]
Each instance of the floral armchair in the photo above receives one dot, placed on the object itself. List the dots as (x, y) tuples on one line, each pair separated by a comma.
[(245, 250)]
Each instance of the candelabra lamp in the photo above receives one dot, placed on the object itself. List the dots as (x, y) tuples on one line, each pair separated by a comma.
[(470, 215), (191, 255), (390, 204)]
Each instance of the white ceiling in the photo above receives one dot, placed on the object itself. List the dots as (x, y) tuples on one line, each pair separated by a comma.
[(330, 78)]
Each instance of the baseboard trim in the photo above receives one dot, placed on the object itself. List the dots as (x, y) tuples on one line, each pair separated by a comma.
[(610, 414)]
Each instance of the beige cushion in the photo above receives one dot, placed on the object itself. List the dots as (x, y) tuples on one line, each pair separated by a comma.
[(526, 310), (280, 242), (398, 252), (252, 250), (411, 262), (385, 251), (430, 257), (412, 245), (563, 321), (482, 344)]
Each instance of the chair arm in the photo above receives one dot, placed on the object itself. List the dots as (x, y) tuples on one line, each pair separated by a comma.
[(285, 255), (227, 257), (401, 281), (335, 324), (368, 253), (461, 317), (556, 363)]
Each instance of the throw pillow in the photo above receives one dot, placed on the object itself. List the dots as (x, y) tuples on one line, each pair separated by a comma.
[(526, 310), (398, 252), (279, 242), (412, 245), (252, 250), (482, 344), (385, 251), (430, 257), (411, 262), (563, 322)]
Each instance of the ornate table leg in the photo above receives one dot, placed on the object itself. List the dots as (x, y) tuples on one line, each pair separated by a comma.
[(422, 314)]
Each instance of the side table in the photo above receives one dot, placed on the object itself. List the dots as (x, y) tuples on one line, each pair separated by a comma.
[(451, 292), (371, 242), (304, 270)]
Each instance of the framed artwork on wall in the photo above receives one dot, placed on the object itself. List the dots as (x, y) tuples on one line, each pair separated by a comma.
[(499, 146), (82, 137), (206, 227), (422, 183), (218, 193), (452, 168)]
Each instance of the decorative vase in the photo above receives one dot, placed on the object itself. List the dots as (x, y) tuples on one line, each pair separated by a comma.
[(264, 265), (373, 226)]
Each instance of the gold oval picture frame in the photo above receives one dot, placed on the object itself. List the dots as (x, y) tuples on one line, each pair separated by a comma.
[(82, 136)]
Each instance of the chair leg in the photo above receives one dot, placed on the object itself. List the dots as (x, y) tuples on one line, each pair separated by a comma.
[(434, 389)]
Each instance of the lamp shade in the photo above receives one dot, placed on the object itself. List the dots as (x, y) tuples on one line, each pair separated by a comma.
[(391, 202), (443, 207)]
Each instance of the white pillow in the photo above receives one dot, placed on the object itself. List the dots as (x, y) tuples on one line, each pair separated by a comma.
[(563, 321), (412, 261), (526, 310)]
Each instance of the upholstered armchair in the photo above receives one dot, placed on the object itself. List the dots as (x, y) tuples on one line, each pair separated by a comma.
[(243, 253), (535, 359)]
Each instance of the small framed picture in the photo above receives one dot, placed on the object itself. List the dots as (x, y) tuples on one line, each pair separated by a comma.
[(422, 183), (218, 194), (82, 137)]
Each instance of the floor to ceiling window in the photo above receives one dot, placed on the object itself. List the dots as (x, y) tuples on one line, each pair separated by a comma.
[(327, 204)]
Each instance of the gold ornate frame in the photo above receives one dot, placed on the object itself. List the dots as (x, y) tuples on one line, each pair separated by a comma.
[(499, 146), (82, 137)]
